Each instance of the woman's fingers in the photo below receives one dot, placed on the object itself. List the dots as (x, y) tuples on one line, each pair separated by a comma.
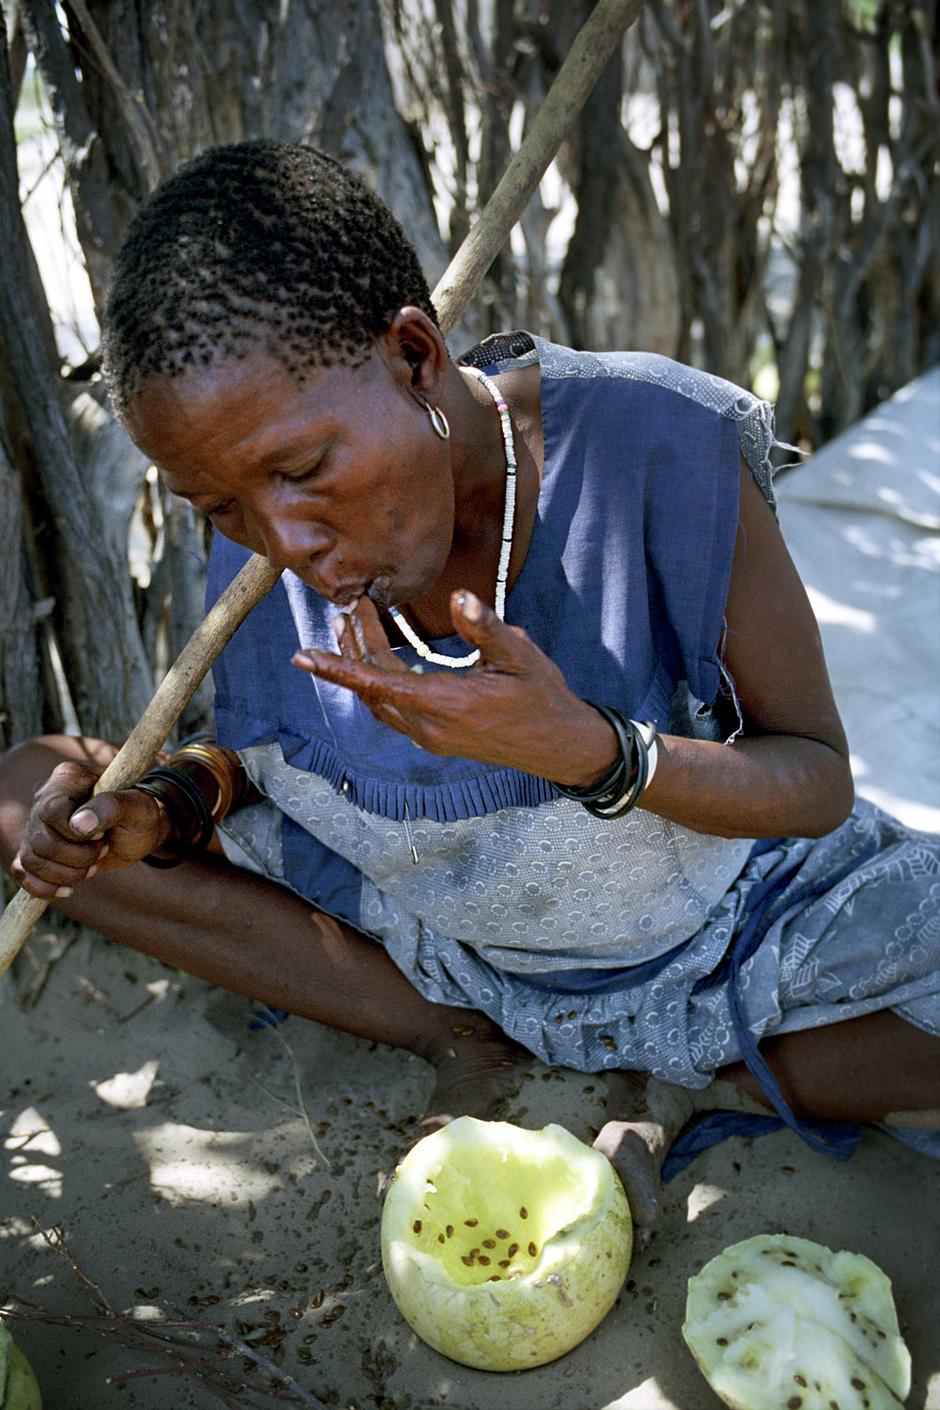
[(68, 786), (374, 684), (69, 833), (367, 635), (507, 648), (512, 708)]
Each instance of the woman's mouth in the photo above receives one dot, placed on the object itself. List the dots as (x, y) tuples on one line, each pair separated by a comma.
[(345, 596)]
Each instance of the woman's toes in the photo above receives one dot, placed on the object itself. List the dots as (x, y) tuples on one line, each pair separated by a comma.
[(630, 1156)]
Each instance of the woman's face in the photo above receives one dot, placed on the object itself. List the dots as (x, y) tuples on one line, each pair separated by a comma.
[(340, 478)]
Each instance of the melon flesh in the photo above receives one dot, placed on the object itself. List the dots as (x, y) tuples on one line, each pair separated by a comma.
[(503, 1248), (777, 1323)]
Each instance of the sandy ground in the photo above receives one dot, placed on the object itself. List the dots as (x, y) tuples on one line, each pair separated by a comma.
[(201, 1169), (210, 1198)]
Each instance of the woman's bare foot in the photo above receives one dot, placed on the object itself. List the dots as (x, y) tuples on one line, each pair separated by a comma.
[(638, 1147), (478, 1070)]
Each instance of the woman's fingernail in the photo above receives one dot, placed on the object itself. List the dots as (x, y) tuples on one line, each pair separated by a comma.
[(90, 872), (84, 821), (470, 605), (339, 624), (63, 890)]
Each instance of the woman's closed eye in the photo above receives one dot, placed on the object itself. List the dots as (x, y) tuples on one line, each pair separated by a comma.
[(308, 473)]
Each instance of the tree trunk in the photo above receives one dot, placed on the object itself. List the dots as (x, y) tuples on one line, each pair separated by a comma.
[(100, 646), (20, 691), (199, 74)]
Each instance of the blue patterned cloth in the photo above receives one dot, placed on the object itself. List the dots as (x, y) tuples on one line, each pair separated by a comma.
[(631, 944)]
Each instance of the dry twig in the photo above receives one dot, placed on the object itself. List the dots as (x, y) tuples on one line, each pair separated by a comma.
[(199, 1352)]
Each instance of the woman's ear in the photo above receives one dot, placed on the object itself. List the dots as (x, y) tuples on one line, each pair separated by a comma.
[(416, 352)]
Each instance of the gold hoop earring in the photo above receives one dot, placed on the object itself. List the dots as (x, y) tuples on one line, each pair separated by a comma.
[(437, 419)]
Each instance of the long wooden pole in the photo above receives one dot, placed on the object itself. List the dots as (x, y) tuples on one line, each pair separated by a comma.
[(586, 60)]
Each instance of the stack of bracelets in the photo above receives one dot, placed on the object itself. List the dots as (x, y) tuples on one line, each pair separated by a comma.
[(199, 786), (620, 788)]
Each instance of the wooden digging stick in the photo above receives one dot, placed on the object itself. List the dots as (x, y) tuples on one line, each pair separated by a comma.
[(586, 60)]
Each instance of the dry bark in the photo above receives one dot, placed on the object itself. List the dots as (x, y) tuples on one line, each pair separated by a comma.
[(100, 647), (20, 691)]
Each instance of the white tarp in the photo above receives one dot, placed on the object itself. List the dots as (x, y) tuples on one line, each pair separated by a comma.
[(862, 520)]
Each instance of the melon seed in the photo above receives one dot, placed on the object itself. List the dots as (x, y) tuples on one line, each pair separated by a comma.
[(523, 1213), (450, 1231), (496, 1278), (858, 1383), (471, 1223), (440, 1238), (800, 1380), (416, 1226), (484, 1260), (505, 1262), (794, 1402), (533, 1250), (489, 1243), (502, 1233), (721, 1341), (467, 1260)]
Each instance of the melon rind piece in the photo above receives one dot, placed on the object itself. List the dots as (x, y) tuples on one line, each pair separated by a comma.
[(778, 1323), (18, 1388), (552, 1228)]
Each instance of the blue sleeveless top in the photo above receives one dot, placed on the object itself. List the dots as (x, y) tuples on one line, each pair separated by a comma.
[(623, 586)]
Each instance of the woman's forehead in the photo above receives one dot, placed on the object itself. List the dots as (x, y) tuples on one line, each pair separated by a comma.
[(251, 410)]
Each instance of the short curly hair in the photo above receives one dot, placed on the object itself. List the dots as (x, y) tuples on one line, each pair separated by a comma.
[(259, 243)]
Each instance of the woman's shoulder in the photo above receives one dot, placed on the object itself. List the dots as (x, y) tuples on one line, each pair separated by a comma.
[(648, 369), (642, 381), (641, 377)]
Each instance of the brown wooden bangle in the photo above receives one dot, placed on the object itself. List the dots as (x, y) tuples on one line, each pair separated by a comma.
[(225, 768)]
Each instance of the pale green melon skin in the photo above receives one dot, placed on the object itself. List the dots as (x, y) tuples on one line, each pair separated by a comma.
[(18, 1387), (512, 1325)]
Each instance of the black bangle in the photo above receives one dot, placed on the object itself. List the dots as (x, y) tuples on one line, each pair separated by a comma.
[(188, 809), (617, 792)]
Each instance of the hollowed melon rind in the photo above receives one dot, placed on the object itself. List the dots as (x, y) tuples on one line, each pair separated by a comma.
[(576, 1218), (776, 1321)]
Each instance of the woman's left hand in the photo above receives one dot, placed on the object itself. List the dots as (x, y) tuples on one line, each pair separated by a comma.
[(512, 708)]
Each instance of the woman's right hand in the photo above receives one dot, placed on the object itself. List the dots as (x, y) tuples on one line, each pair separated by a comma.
[(70, 835)]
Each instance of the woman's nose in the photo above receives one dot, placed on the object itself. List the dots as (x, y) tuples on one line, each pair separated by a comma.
[(293, 544)]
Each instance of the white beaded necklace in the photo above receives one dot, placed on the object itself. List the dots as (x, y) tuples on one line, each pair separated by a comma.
[(509, 515)]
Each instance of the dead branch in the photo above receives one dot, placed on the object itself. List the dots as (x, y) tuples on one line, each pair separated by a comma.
[(197, 1351)]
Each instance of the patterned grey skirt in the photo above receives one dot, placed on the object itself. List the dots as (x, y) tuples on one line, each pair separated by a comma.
[(804, 932)]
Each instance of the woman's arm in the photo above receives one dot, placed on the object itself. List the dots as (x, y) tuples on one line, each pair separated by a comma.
[(787, 776)]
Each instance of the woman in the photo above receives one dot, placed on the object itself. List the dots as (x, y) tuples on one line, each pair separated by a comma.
[(497, 866)]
